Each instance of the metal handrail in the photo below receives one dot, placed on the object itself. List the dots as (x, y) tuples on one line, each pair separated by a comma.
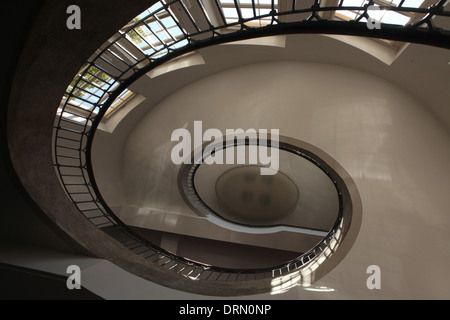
[(120, 61)]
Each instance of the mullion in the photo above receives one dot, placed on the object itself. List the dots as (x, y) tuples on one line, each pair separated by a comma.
[(128, 59), (104, 71), (88, 92), (219, 7), (97, 77), (69, 148), (189, 16), (86, 99), (174, 19), (78, 107), (82, 99), (165, 30), (74, 115), (73, 122), (247, 6), (111, 64), (159, 15), (238, 10), (143, 38), (120, 58), (163, 43), (204, 13), (87, 83), (172, 31), (68, 139), (68, 157)]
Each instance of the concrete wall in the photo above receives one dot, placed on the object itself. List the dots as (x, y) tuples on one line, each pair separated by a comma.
[(396, 152)]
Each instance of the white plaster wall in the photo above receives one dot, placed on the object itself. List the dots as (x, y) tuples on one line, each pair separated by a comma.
[(398, 155), (107, 163)]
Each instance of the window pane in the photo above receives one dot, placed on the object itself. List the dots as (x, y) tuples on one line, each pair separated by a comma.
[(168, 22), (266, 2), (377, 14), (353, 3), (247, 13), (263, 11), (349, 14), (393, 17), (412, 3), (230, 12), (395, 2)]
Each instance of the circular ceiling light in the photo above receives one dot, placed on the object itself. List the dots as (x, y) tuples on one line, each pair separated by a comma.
[(246, 194)]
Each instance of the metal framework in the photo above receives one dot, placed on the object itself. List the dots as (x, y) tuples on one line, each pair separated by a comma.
[(169, 29)]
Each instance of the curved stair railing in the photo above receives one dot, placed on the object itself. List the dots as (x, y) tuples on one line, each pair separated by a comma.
[(169, 29)]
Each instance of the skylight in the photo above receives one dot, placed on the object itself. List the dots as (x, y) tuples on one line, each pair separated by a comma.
[(249, 9), (156, 33), (123, 98), (87, 89), (165, 26), (385, 16), (412, 3)]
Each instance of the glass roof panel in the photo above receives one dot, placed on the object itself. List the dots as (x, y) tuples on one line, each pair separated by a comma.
[(354, 3), (393, 17), (159, 30), (412, 3)]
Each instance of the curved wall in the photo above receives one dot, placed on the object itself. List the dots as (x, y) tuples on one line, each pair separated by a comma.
[(398, 155)]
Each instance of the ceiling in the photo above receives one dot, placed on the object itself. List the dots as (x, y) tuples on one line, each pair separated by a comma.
[(411, 66)]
